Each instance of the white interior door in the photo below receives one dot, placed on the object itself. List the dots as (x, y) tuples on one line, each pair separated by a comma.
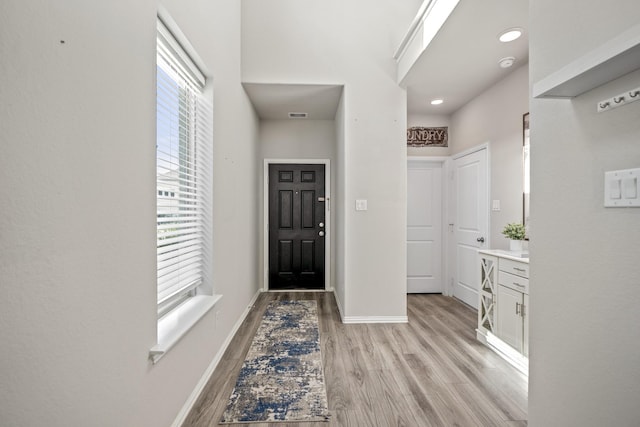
[(424, 227), (471, 222)]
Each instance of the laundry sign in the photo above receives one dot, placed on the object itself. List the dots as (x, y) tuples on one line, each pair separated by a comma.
[(428, 137)]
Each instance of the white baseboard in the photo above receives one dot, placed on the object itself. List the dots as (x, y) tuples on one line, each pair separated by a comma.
[(504, 350), (339, 304), (367, 319), (184, 412), (467, 296), (375, 319)]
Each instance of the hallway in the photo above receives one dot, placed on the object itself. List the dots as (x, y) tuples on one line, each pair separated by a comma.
[(429, 372)]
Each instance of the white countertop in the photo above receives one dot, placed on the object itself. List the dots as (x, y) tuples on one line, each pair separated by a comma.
[(515, 256)]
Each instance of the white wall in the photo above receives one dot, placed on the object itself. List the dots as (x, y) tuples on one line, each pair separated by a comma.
[(339, 200), (299, 139), (495, 116), (321, 42), (77, 252), (429, 121), (585, 291)]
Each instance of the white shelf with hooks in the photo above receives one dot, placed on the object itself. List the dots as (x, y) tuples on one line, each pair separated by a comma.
[(613, 59), (625, 98)]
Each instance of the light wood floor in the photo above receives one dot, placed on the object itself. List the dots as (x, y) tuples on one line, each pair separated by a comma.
[(429, 372)]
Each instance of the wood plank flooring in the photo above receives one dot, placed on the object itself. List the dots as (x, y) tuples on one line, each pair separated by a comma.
[(429, 372)]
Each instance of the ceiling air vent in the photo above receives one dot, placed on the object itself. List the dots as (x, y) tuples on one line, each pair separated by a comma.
[(297, 115)]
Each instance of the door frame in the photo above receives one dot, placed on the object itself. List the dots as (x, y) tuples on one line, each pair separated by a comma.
[(327, 216), (453, 209), (445, 162)]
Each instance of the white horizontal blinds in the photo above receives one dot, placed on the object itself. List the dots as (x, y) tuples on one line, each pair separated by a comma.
[(183, 164), (180, 59)]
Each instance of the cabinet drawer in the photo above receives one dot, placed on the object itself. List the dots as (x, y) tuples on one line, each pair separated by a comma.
[(514, 282), (514, 267)]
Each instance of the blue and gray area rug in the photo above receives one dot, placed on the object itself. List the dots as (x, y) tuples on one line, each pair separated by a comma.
[(281, 379)]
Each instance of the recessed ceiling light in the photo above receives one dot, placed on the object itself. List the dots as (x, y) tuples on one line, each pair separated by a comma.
[(510, 35), (437, 101), (507, 62)]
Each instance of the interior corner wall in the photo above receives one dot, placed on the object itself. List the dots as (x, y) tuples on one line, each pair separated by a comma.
[(495, 116), (584, 297), (338, 203), (77, 253), (352, 43), (298, 139), (429, 120), (376, 167)]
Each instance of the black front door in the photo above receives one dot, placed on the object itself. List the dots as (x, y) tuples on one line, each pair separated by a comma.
[(296, 226)]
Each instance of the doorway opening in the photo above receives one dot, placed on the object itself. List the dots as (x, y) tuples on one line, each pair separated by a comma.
[(297, 224), (426, 202)]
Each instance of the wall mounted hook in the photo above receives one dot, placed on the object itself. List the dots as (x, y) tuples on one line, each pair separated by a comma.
[(625, 98)]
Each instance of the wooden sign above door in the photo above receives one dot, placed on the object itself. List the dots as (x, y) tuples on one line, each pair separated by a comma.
[(428, 137)]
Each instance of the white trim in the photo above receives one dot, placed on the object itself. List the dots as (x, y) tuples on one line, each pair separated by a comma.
[(430, 15), (339, 304), (430, 18), (275, 291), (375, 319), (505, 351), (182, 59), (206, 376), (327, 217), (413, 29), (488, 145), (174, 325), (176, 32), (471, 150), (448, 218), (420, 159)]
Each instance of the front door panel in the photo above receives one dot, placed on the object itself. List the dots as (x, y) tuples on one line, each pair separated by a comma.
[(296, 226)]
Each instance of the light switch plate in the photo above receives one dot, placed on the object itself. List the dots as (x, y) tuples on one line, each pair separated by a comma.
[(621, 188), (361, 205)]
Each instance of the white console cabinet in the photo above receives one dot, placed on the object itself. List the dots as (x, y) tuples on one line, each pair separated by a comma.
[(503, 306)]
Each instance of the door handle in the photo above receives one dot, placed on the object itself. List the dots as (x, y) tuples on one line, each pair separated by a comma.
[(321, 234), (480, 239), (321, 224)]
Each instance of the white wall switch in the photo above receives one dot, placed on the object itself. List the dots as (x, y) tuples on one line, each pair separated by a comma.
[(495, 205), (614, 189), (621, 188), (361, 205), (630, 188)]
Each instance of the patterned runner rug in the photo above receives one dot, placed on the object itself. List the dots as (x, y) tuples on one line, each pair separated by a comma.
[(281, 379)]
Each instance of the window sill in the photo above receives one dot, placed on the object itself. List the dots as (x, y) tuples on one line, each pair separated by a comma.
[(173, 326)]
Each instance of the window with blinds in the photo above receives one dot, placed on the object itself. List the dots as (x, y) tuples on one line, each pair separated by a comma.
[(184, 175)]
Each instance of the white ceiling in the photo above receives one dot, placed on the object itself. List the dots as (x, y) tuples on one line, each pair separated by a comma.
[(462, 60), (459, 64), (276, 101)]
